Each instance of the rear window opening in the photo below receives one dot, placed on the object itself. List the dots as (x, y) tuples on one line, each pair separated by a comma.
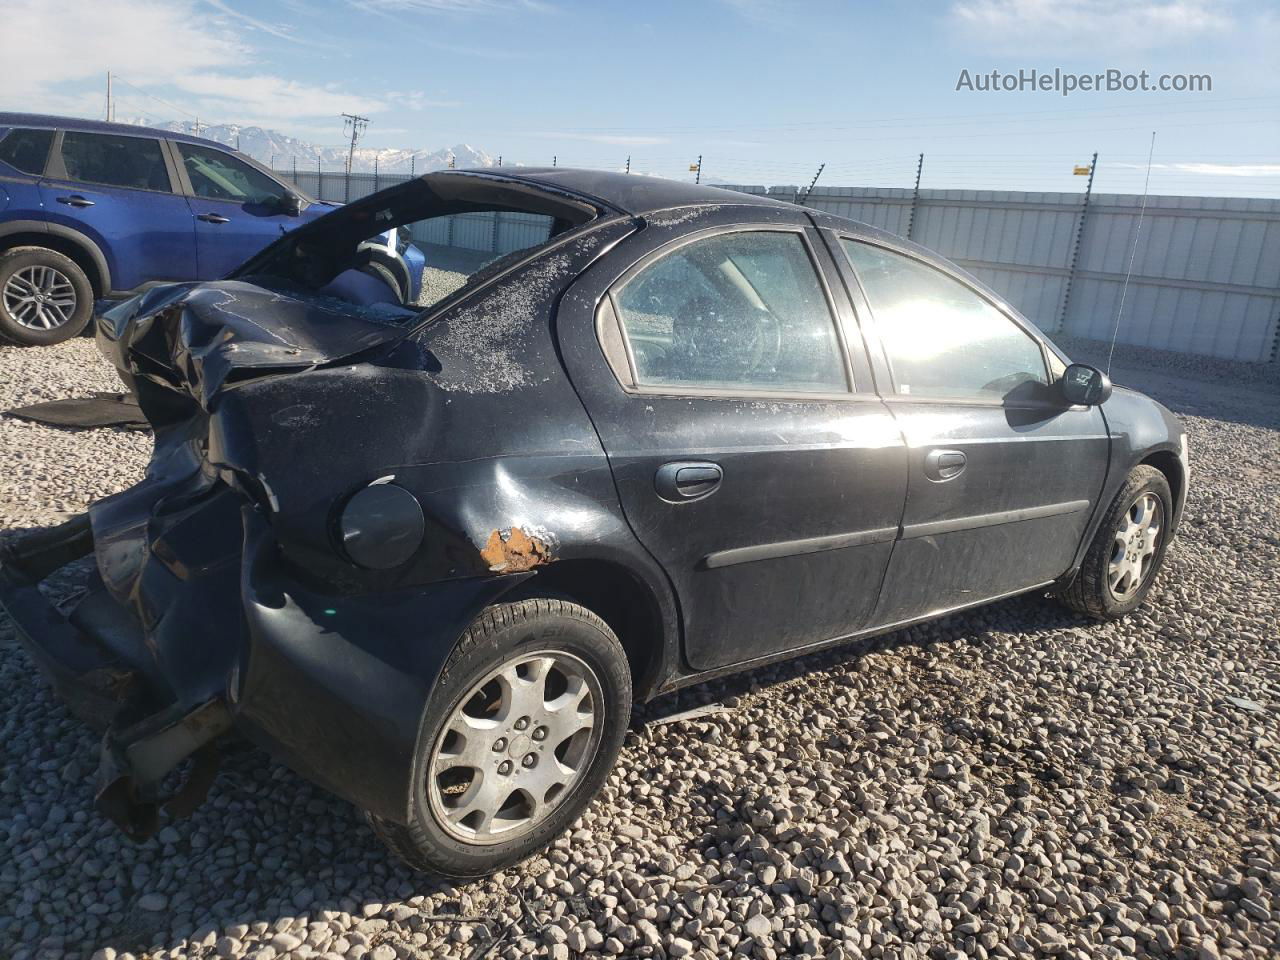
[(407, 249)]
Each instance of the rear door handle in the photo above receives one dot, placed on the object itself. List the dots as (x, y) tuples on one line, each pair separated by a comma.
[(685, 480), (75, 200), (213, 218), (942, 465)]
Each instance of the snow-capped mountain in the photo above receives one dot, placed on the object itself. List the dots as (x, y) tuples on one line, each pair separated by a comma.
[(267, 146)]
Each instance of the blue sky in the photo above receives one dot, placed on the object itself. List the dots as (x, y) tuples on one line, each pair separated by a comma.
[(764, 90)]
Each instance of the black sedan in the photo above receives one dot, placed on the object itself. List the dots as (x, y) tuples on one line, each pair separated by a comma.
[(429, 553)]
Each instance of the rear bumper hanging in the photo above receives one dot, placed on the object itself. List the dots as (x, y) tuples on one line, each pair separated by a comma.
[(138, 751)]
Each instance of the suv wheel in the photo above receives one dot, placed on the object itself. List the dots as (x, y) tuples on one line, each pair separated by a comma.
[(45, 297), (1127, 551), (518, 735)]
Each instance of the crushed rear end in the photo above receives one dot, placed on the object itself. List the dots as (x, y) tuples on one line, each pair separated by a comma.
[(189, 617), (223, 598)]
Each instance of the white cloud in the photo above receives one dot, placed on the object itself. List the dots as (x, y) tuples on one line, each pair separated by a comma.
[(44, 46), (417, 100), (267, 96), (278, 30), (174, 58), (622, 139), (1037, 26), (1213, 169), (450, 6), (759, 11)]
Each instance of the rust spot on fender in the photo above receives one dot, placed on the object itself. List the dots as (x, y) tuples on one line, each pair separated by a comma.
[(513, 550)]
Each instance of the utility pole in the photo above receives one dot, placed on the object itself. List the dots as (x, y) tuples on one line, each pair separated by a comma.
[(628, 163), (273, 156), (353, 124), (915, 196), (108, 96), (197, 126), (812, 183)]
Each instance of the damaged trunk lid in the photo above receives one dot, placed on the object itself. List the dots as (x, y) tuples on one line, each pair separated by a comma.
[(201, 338)]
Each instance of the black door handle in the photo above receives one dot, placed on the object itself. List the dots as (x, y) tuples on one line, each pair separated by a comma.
[(683, 481), (213, 218), (75, 200), (942, 465)]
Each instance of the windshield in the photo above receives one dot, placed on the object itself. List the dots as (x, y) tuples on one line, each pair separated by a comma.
[(409, 247)]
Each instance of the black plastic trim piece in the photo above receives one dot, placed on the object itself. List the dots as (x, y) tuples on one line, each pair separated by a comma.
[(791, 548), (936, 527), (66, 233)]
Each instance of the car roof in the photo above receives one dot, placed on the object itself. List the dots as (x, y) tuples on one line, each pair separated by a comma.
[(631, 193), (101, 126)]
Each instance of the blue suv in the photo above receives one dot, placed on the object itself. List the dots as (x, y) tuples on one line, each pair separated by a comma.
[(91, 210)]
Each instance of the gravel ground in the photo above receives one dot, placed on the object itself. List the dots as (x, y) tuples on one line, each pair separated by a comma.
[(1013, 781)]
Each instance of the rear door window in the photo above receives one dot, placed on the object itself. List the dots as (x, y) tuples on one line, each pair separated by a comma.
[(741, 311), (115, 161), (27, 150)]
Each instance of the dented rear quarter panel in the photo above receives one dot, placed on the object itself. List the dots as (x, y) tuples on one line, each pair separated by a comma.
[(473, 414), (470, 411)]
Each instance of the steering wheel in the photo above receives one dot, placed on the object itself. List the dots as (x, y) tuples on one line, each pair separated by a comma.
[(766, 340), (709, 336)]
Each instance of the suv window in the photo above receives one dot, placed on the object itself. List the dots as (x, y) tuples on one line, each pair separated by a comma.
[(943, 339), (114, 161), (27, 150), (743, 309), (220, 176)]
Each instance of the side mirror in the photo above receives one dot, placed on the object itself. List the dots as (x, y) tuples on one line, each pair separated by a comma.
[(1083, 384), (291, 204)]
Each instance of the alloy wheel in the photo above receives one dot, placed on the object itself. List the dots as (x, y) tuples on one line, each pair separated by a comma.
[(515, 747), (40, 298), (1136, 541)]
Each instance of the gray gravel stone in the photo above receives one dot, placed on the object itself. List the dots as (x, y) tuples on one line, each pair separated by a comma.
[(1009, 781)]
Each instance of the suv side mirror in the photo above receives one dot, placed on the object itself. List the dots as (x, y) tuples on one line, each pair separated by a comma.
[(291, 204), (1083, 384)]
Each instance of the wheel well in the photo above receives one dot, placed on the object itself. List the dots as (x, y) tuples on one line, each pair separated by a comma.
[(620, 600), (68, 248), (1167, 463)]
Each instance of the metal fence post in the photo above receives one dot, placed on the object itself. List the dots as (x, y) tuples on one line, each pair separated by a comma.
[(915, 197), (1075, 247)]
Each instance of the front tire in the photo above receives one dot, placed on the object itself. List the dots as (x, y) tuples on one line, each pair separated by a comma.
[(1127, 551), (519, 734), (45, 297)]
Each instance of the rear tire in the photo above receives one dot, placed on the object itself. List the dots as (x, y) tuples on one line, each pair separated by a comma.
[(45, 297), (497, 776), (1119, 569)]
